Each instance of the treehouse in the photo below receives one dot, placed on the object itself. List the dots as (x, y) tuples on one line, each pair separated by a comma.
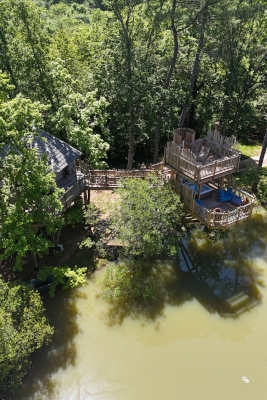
[(63, 160), (202, 169)]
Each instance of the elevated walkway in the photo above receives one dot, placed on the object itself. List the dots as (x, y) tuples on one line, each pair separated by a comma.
[(93, 179)]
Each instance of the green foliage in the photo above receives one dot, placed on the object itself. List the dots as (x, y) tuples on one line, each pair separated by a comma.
[(250, 150), (262, 186), (126, 280), (65, 276), (79, 117), (246, 179), (147, 219), (74, 214), (99, 67), (91, 215), (27, 202), (23, 329), (97, 231)]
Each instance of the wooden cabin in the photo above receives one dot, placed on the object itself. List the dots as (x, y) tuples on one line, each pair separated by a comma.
[(200, 168), (63, 160)]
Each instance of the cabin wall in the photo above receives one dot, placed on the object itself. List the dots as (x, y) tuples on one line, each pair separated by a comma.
[(66, 172)]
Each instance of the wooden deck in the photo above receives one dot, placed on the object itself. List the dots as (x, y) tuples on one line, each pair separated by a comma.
[(86, 179), (220, 162), (215, 214)]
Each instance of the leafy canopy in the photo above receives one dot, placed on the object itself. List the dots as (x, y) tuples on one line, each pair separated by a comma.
[(65, 276), (147, 219), (23, 329), (126, 280), (29, 198)]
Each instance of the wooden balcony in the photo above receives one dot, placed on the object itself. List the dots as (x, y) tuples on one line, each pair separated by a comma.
[(220, 161), (215, 214)]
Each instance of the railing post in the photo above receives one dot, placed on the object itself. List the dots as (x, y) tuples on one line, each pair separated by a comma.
[(215, 165), (209, 217)]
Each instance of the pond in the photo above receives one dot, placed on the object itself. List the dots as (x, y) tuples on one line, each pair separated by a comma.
[(185, 347)]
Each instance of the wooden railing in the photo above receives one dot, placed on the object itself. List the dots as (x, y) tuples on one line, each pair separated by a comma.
[(184, 161), (99, 179), (211, 218)]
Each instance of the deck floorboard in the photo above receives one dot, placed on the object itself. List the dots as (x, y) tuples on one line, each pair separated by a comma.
[(211, 203)]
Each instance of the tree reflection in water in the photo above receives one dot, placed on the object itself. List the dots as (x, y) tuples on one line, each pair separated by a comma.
[(227, 275)]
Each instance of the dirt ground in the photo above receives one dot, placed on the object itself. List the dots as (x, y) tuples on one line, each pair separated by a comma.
[(70, 238)]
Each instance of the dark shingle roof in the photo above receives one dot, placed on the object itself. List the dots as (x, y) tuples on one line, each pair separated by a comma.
[(59, 154)]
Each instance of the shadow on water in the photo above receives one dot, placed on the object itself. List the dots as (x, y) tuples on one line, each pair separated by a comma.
[(59, 353), (224, 274), (167, 283), (224, 277)]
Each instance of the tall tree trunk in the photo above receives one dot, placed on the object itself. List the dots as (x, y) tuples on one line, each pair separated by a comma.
[(128, 54), (131, 138), (261, 159), (263, 150), (195, 69), (167, 81), (35, 264)]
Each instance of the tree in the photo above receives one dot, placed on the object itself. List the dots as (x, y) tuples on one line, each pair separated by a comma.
[(23, 329), (232, 74), (147, 220), (127, 280), (65, 276), (30, 206), (79, 118)]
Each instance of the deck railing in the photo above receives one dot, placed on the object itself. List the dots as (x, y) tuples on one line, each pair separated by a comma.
[(99, 179), (185, 161), (212, 218)]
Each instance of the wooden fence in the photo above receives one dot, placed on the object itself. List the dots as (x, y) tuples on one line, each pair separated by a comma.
[(184, 161), (210, 217)]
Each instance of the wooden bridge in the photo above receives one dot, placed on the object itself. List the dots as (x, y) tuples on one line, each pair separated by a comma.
[(93, 179)]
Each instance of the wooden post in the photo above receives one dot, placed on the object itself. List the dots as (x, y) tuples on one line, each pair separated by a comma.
[(227, 217), (192, 206), (85, 197), (209, 217), (35, 262), (215, 165), (199, 191), (65, 199), (57, 236)]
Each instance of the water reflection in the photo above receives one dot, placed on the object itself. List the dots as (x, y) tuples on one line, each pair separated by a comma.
[(170, 347), (61, 353), (167, 282), (227, 278)]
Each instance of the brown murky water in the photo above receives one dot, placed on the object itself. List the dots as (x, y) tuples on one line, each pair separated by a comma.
[(195, 346)]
